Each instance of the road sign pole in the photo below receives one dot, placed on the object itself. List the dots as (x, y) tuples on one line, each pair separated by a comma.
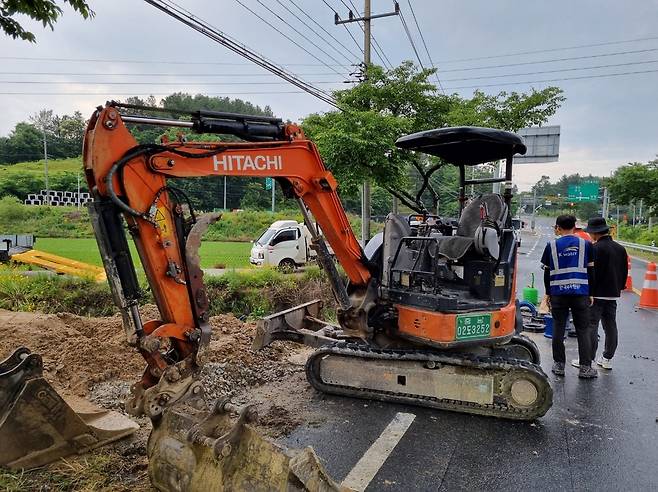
[(273, 189), (534, 209)]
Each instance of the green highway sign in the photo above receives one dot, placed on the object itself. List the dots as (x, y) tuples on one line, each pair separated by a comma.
[(587, 191), (268, 183)]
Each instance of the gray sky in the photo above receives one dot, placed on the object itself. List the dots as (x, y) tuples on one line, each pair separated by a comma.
[(605, 121)]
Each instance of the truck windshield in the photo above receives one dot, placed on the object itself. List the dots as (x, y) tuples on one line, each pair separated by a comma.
[(264, 239)]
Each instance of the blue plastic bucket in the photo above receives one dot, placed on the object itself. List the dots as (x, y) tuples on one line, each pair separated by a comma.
[(548, 327)]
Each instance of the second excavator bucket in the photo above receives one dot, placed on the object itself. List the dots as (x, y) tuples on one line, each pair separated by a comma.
[(37, 426)]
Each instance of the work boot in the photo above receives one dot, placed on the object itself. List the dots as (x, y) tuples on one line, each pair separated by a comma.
[(604, 363), (558, 368), (588, 372)]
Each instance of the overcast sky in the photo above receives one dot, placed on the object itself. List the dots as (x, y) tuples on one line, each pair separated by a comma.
[(605, 121)]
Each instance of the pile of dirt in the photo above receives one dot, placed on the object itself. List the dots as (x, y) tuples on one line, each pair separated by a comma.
[(76, 351), (82, 354), (230, 365)]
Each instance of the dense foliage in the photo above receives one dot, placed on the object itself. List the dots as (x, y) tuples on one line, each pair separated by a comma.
[(63, 136), (358, 142)]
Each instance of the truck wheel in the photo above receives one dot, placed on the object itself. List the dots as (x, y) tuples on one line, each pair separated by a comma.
[(287, 265)]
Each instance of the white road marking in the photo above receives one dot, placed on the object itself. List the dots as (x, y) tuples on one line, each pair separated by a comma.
[(535, 245), (373, 459)]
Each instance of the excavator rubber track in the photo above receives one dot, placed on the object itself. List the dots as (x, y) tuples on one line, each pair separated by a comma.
[(490, 386)]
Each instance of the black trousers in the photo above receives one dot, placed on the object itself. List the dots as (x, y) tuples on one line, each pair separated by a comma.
[(579, 307), (604, 311)]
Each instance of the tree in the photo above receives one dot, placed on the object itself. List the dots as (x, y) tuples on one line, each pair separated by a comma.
[(587, 210), (358, 142), (635, 181), (45, 11)]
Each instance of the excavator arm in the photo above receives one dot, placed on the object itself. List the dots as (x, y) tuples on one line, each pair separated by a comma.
[(131, 180)]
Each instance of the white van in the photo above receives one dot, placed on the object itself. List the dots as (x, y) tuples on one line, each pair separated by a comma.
[(285, 244)]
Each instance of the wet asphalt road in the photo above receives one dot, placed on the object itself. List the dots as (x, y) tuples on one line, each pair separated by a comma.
[(600, 435)]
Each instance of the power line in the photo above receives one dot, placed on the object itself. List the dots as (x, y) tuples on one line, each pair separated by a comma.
[(346, 28), (190, 20), (86, 82), (158, 62), (323, 38), (551, 60), (556, 80), (324, 30), (295, 29), (436, 75), (547, 50), (411, 40), (284, 35), (555, 71), (159, 74)]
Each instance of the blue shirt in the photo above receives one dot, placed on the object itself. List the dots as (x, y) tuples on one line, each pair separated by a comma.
[(567, 258)]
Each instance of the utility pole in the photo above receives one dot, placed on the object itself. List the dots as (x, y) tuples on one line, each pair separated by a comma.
[(45, 158), (606, 204), (366, 19), (224, 193)]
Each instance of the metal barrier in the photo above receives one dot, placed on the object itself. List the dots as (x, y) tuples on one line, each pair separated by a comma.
[(641, 247)]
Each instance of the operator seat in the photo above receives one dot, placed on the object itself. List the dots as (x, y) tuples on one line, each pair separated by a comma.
[(474, 231)]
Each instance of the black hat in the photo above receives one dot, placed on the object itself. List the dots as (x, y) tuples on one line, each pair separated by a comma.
[(597, 225)]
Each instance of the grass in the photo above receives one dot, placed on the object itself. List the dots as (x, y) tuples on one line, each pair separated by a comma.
[(73, 164), (245, 293), (96, 471), (646, 255), (213, 253)]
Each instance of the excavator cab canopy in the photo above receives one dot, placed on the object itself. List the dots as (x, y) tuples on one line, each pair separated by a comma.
[(465, 145)]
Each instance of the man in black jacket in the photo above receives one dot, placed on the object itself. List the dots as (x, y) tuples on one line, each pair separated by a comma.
[(610, 272)]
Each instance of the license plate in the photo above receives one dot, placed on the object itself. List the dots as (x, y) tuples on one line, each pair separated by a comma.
[(473, 326)]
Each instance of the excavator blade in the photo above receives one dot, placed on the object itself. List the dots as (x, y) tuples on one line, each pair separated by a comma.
[(37, 426), (297, 324)]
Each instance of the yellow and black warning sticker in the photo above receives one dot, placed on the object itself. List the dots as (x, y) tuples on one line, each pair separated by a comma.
[(163, 221)]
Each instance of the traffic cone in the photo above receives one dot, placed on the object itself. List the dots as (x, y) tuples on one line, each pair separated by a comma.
[(629, 279), (649, 295)]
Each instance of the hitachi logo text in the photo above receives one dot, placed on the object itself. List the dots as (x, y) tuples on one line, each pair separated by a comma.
[(247, 163)]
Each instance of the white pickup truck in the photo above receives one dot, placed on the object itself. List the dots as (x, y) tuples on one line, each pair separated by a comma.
[(285, 244)]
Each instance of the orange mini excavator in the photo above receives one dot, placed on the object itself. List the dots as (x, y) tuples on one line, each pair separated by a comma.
[(427, 317)]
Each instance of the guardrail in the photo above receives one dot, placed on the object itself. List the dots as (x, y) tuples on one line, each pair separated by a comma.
[(641, 247)]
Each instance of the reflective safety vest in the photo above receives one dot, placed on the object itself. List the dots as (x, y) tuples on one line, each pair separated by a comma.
[(568, 274)]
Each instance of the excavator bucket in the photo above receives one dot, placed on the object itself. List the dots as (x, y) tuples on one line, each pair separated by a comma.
[(191, 449), (37, 426)]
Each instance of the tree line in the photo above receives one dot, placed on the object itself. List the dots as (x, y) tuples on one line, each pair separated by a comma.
[(356, 142)]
